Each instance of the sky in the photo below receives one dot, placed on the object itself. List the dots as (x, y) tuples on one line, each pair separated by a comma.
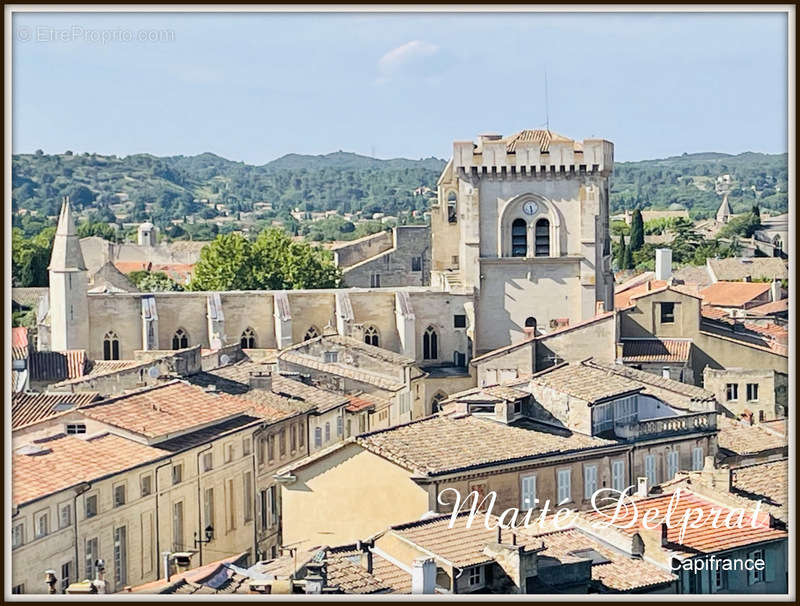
[(254, 86)]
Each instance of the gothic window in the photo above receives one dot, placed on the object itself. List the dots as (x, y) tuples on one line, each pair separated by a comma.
[(519, 238), (430, 344), (371, 336), (452, 214), (311, 333), (530, 322), (111, 346), (436, 402), (542, 238), (778, 244), (248, 339), (180, 340)]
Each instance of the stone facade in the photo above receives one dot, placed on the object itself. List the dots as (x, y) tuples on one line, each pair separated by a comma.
[(758, 394), (402, 259)]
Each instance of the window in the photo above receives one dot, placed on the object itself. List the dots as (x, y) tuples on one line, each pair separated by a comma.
[(247, 447), (331, 357), (273, 505), (697, 458), (430, 344), (371, 336), (327, 432), (732, 391), (282, 442), (475, 576), (530, 322), (301, 435), (180, 340), (650, 470), (719, 577), (18, 536), (42, 524), (564, 486), (119, 495), (756, 576), (339, 426), (542, 238), (589, 481), (18, 588), (459, 321), (177, 474), (66, 575), (74, 429), (672, 464), (177, 527), (111, 346), (293, 438), (528, 492), (519, 238), (264, 513), (91, 506), (248, 340), (92, 554), (667, 313), (752, 391), (247, 489), (665, 372), (452, 215), (311, 333), (416, 263), (618, 475), (761, 416), (208, 461), (375, 280), (230, 505), (64, 515), (208, 507), (317, 437), (120, 557), (146, 485), (271, 447), (230, 453)]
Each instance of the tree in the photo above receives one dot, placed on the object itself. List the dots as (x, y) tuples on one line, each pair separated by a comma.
[(621, 252), (30, 257), (153, 281), (627, 258), (80, 196), (225, 264), (637, 231)]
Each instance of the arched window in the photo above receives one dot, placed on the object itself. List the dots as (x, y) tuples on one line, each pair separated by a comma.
[(777, 243), (311, 333), (542, 238), (519, 238), (452, 210), (371, 336), (111, 346), (180, 340), (530, 325), (248, 339), (436, 402), (430, 344)]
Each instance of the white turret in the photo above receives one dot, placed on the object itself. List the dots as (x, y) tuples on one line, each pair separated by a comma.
[(147, 234), (69, 320)]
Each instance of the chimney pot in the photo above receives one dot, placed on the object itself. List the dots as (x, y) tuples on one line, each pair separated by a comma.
[(641, 487)]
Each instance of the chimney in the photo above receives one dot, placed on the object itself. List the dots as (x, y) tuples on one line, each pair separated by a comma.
[(663, 263), (599, 307), (775, 290), (261, 380), (641, 487), (315, 578), (50, 580), (423, 576), (664, 530)]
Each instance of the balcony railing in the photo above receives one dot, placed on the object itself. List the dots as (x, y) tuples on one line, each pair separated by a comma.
[(699, 421)]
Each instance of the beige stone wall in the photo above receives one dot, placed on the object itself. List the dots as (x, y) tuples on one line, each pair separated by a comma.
[(645, 320), (376, 309), (362, 249), (121, 314), (394, 266), (596, 339), (347, 496), (763, 406), (246, 310), (508, 365)]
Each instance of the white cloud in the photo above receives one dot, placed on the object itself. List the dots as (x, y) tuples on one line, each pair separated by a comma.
[(407, 58)]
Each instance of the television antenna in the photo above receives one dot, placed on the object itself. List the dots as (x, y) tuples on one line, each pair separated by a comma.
[(546, 101)]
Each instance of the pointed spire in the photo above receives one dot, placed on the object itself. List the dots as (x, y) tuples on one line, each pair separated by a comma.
[(725, 211), (67, 255)]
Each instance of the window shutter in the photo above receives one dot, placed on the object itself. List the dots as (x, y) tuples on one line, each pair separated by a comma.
[(751, 574), (769, 563)]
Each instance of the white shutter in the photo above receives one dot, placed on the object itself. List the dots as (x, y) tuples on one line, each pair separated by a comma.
[(589, 481), (564, 486), (697, 459), (618, 475), (650, 469), (528, 492)]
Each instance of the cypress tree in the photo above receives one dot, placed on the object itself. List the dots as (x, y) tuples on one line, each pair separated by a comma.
[(627, 258), (637, 231), (621, 252)]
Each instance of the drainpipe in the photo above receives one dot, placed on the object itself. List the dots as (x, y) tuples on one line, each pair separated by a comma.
[(630, 465), (79, 490), (158, 528), (200, 536)]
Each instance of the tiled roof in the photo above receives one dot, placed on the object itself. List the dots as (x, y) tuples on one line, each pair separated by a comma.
[(297, 390), (772, 337), (755, 268), (240, 371), (63, 463), (741, 438), (441, 444), (622, 298), (19, 337), (364, 401), (57, 365), (335, 368), (586, 382), (766, 482), (773, 307), (171, 408), (348, 575), (656, 350), (28, 296), (29, 408), (540, 136), (701, 537), (394, 576), (733, 294), (190, 581)]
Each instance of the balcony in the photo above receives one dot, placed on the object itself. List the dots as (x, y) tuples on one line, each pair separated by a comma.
[(663, 426)]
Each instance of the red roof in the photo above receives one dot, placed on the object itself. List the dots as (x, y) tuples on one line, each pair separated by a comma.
[(57, 365), (704, 538), (29, 408), (180, 272), (733, 294), (656, 350), (19, 336), (622, 298), (770, 308)]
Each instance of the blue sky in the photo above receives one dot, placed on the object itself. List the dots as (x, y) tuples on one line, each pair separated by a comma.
[(253, 87)]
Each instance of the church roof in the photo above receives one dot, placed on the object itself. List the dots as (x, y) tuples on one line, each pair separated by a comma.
[(67, 255), (540, 136)]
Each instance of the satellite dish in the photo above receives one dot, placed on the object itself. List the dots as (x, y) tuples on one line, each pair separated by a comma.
[(225, 359), (153, 372)]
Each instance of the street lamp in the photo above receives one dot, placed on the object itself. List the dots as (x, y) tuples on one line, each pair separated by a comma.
[(209, 534)]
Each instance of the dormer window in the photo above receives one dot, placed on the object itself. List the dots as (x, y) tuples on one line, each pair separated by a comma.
[(331, 357), (74, 429)]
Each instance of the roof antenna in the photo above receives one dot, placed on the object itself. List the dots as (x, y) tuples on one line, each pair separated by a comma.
[(546, 101)]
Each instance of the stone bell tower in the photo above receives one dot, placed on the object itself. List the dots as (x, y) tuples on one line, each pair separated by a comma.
[(69, 314)]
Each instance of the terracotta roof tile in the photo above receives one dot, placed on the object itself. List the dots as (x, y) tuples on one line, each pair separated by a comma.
[(622, 298), (19, 337), (774, 307), (56, 366), (344, 571), (754, 268), (27, 408), (656, 350), (766, 482), (733, 294), (586, 382), (744, 439)]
